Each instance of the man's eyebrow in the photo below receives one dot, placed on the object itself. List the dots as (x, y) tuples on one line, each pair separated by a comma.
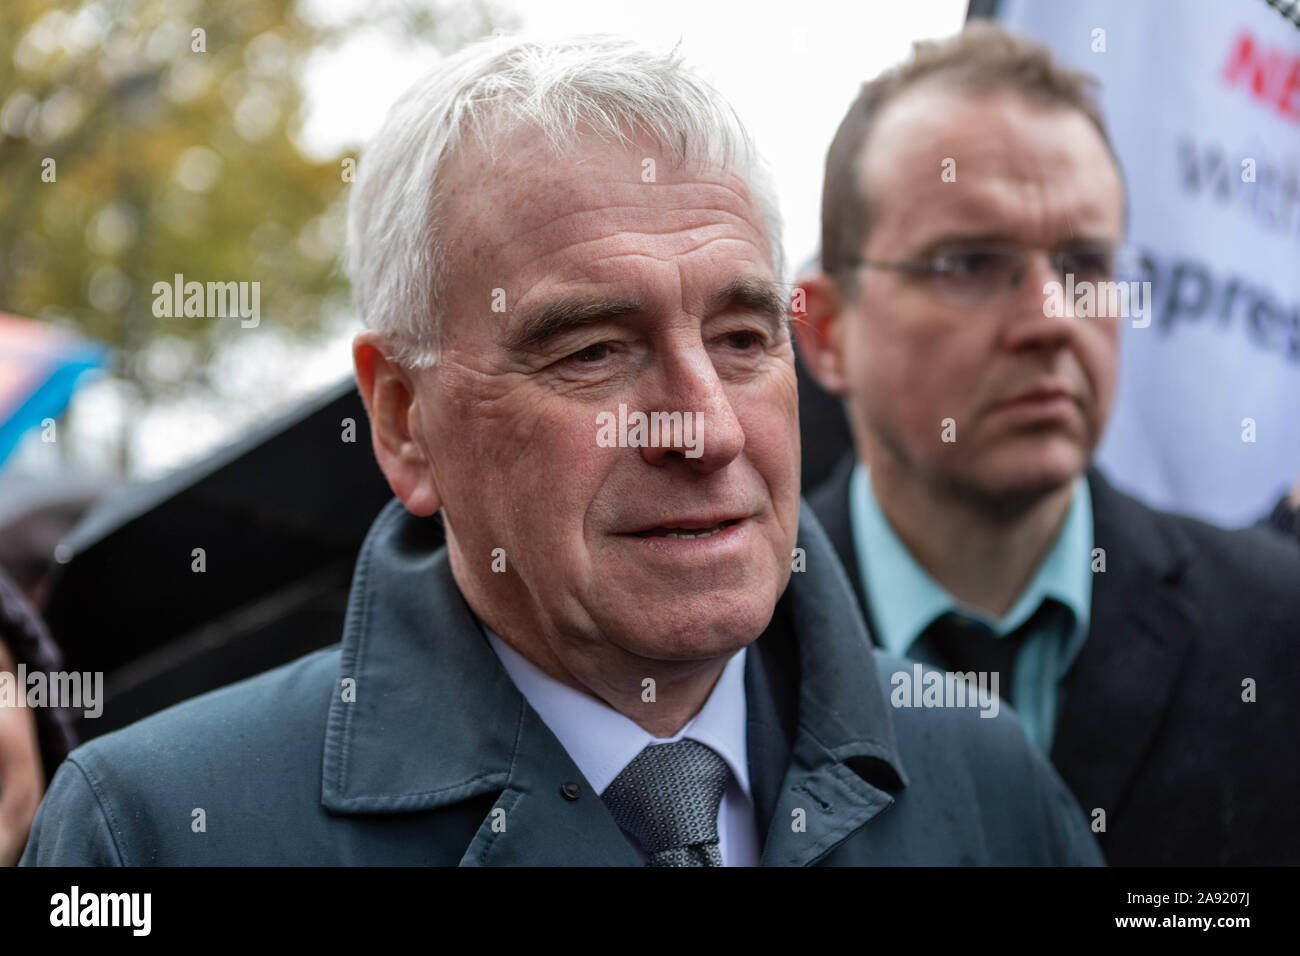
[(554, 319), (750, 295), (957, 239), (960, 237)]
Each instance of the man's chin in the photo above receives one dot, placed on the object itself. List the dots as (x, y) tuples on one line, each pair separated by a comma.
[(695, 627), (1016, 483)]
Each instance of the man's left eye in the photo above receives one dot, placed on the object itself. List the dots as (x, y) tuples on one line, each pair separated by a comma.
[(744, 339)]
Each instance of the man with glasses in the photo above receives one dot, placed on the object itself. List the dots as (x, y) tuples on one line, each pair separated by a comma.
[(1153, 657)]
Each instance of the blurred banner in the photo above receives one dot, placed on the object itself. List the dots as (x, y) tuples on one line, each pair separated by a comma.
[(39, 369), (1203, 102)]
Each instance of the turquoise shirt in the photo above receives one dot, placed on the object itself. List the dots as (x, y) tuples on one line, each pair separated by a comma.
[(905, 599)]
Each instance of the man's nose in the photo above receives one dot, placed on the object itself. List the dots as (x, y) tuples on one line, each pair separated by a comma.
[(1030, 323), (691, 418)]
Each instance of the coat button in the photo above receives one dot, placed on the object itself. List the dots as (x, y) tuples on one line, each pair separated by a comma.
[(569, 790)]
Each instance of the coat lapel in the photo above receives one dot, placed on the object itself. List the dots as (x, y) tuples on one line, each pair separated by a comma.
[(843, 763), (1125, 676), (425, 715), (772, 700), (538, 825)]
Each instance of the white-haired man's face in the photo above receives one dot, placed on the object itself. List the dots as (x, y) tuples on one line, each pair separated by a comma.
[(576, 287)]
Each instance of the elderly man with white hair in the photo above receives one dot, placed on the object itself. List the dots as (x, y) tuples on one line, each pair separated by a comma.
[(633, 649)]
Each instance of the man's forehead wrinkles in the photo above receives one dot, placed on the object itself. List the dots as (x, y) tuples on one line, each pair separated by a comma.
[(571, 221), (634, 198), (606, 258), (504, 186), (624, 269), (592, 187)]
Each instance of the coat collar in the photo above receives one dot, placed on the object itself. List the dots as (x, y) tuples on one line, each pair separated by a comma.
[(436, 719), (418, 660)]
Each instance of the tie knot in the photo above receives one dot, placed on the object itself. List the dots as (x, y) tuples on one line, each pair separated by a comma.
[(965, 644), (667, 799)]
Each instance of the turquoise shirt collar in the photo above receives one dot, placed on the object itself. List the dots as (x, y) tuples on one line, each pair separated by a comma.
[(904, 598)]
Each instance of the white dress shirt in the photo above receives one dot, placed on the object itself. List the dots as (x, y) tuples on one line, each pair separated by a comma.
[(602, 741)]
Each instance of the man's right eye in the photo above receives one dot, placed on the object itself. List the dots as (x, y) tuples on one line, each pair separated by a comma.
[(591, 354)]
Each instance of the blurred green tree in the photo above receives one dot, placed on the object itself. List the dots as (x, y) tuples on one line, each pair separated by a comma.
[(144, 138)]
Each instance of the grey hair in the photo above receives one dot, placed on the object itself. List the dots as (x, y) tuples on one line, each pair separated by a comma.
[(602, 84)]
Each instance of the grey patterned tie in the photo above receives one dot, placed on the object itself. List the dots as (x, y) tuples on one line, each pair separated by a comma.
[(667, 800)]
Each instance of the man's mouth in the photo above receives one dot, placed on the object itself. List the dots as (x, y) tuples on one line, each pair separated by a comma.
[(1039, 393), (668, 531)]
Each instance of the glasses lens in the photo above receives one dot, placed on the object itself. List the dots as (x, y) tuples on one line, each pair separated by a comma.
[(971, 275), (1092, 264)]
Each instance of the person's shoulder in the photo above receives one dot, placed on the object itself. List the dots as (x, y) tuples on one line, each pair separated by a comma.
[(1258, 558), (134, 795), (1252, 569), (279, 714), (1223, 571), (1248, 567)]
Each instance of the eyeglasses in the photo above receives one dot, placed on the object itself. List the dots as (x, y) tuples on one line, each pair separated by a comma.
[(969, 274)]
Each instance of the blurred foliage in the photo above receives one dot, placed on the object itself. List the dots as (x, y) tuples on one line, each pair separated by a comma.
[(170, 160)]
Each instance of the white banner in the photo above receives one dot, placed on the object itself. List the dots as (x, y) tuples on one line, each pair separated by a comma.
[(1202, 98)]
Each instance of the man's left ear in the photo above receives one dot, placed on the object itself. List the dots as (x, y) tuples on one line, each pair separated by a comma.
[(817, 316), (389, 392)]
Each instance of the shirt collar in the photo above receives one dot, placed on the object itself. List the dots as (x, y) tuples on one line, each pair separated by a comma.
[(905, 598), (602, 741)]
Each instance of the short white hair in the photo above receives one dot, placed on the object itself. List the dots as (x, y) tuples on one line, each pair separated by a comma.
[(601, 84)]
